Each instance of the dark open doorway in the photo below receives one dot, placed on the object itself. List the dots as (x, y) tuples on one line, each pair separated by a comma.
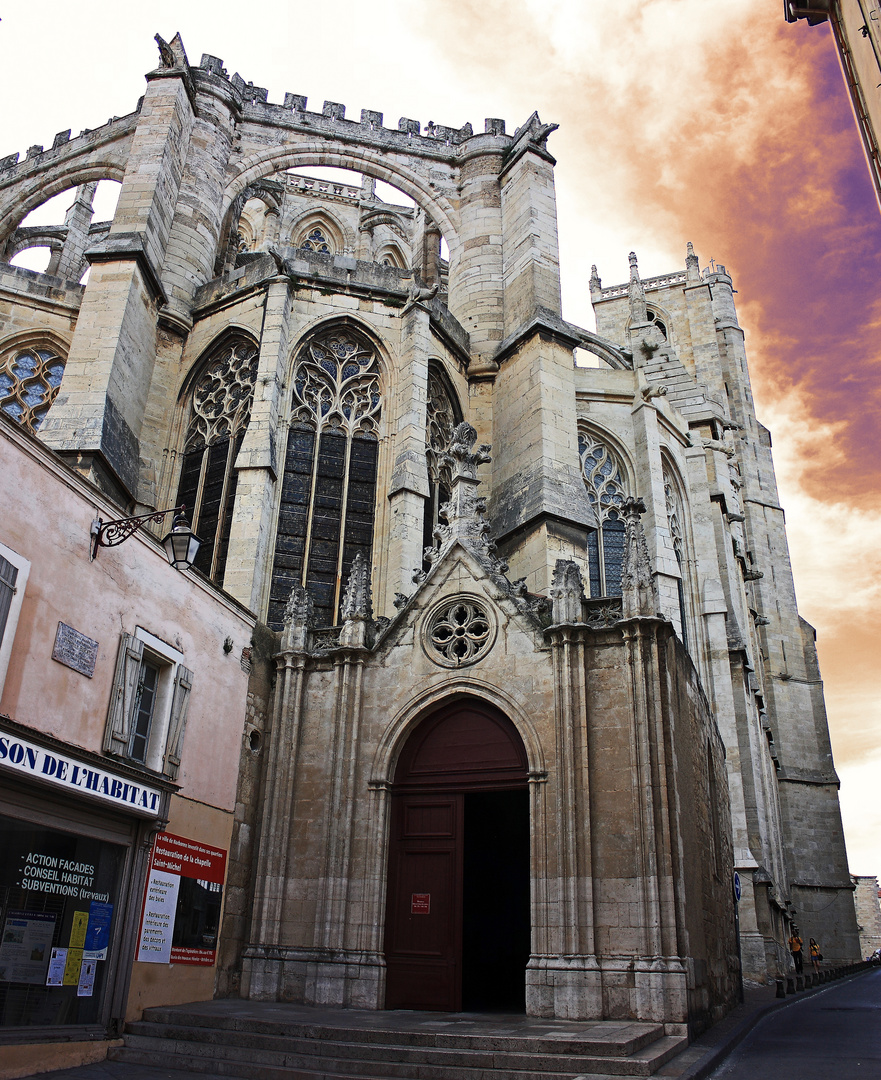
[(495, 901), (458, 913)]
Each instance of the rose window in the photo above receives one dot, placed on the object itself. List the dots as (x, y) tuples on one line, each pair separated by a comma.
[(460, 633)]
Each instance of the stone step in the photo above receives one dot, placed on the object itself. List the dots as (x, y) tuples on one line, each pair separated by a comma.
[(397, 1057), (604, 1038), (396, 1063), (282, 1042)]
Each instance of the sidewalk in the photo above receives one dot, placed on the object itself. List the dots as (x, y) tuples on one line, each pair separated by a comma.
[(697, 1062), (707, 1052)]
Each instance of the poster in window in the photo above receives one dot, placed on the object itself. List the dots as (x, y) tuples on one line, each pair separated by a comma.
[(57, 964), (78, 929), (182, 902), (72, 967), (24, 947), (86, 985), (98, 931)]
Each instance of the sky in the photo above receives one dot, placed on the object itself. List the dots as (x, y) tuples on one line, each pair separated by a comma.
[(712, 121)]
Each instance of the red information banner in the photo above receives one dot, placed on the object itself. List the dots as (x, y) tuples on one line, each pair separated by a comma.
[(182, 901), (420, 903), (189, 858)]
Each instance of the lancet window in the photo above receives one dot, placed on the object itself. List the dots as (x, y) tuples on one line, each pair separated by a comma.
[(328, 495), (604, 477), (442, 416), (221, 408), (29, 381), (655, 318), (674, 520)]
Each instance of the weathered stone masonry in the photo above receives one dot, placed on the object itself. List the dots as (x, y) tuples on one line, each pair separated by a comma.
[(595, 554)]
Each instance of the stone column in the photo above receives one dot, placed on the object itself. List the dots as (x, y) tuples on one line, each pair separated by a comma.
[(476, 281), (349, 975), (192, 249), (262, 972), (68, 262), (660, 991), (408, 488), (564, 979), (650, 481), (529, 229), (261, 459), (96, 419), (540, 510)]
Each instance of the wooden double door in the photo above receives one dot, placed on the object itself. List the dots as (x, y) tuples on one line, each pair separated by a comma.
[(458, 914)]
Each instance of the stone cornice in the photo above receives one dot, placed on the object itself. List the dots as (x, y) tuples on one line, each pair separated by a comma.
[(129, 247)]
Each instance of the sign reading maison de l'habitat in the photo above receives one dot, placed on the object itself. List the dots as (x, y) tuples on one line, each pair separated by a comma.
[(65, 771)]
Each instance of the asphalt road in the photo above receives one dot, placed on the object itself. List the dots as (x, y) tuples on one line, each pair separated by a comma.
[(834, 1034)]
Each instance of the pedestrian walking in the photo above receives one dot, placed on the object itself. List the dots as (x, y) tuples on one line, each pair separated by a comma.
[(795, 947), (816, 955)]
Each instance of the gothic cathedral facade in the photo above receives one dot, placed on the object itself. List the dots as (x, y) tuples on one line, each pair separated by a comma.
[(529, 680)]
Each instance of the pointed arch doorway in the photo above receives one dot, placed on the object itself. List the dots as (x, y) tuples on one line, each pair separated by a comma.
[(457, 912)]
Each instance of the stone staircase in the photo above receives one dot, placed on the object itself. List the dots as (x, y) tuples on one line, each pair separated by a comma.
[(288, 1042)]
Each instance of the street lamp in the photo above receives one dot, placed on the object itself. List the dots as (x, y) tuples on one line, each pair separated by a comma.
[(181, 544)]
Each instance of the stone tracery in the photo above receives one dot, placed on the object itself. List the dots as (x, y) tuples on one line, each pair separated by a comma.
[(604, 477), (223, 395), (29, 382)]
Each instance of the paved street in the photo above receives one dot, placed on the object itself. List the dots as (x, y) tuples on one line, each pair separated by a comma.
[(834, 1034)]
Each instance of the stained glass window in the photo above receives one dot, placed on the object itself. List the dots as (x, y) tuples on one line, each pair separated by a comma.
[(315, 240), (221, 405), (328, 492), (29, 381), (604, 476)]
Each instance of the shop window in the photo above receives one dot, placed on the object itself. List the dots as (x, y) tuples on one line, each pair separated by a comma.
[(13, 577), (148, 705), (59, 908), (221, 405), (604, 478), (328, 496)]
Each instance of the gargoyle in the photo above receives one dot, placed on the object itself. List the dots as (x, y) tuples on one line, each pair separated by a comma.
[(649, 392), (166, 56), (277, 258), (171, 53), (420, 294), (536, 132)]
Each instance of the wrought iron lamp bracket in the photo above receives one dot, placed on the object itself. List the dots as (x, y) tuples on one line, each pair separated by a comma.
[(111, 533)]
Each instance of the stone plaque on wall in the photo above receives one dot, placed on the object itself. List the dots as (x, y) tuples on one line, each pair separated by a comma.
[(75, 650)]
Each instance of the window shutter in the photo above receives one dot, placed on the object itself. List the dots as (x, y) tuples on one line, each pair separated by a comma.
[(183, 683), (124, 696), (8, 575)]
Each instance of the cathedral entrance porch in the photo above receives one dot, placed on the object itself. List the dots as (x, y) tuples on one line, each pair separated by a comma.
[(457, 919)]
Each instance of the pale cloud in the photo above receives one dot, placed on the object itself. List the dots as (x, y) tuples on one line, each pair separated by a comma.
[(861, 813)]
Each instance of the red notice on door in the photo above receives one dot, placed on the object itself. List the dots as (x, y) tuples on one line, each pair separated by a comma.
[(420, 903)]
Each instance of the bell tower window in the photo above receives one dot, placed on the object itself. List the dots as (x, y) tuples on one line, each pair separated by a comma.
[(329, 487)]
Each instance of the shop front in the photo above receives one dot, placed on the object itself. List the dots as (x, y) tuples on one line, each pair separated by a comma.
[(75, 837)]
